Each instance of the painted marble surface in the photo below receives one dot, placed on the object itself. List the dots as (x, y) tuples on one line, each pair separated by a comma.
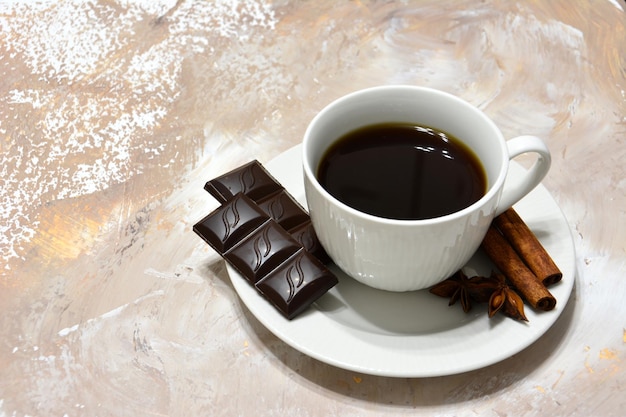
[(113, 114)]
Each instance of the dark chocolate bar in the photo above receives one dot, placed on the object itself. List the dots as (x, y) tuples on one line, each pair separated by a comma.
[(261, 250), (253, 180)]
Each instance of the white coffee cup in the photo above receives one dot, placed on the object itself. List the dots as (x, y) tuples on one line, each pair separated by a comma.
[(405, 255)]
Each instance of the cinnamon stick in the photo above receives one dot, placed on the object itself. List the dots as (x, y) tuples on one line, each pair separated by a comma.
[(506, 259), (528, 247)]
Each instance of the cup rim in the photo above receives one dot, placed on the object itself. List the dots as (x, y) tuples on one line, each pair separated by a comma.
[(495, 187)]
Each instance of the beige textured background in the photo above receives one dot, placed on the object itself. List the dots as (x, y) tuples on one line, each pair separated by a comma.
[(113, 114)]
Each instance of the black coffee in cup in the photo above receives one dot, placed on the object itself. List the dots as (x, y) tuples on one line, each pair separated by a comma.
[(402, 171)]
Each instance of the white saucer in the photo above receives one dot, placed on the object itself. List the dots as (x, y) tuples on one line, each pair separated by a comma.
[(413, 334)]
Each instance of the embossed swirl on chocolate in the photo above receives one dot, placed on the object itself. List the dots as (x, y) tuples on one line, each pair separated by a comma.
[(262, 251), (284, 209), (226, 226), (251, 179), (294, 284)]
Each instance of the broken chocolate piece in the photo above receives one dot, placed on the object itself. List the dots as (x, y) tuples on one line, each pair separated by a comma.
[(297, 283)]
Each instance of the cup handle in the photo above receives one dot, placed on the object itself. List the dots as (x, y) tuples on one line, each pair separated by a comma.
[(514, 191)]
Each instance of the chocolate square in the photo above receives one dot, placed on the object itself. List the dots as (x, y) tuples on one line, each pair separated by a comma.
[(262, 251), (251, 179), (284, 209), (305, 235), (297, 283), (227, 225)]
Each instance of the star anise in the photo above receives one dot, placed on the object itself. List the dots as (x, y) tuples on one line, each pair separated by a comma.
[(481, 288), (505, 299), (456, 288), (492, 290)]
